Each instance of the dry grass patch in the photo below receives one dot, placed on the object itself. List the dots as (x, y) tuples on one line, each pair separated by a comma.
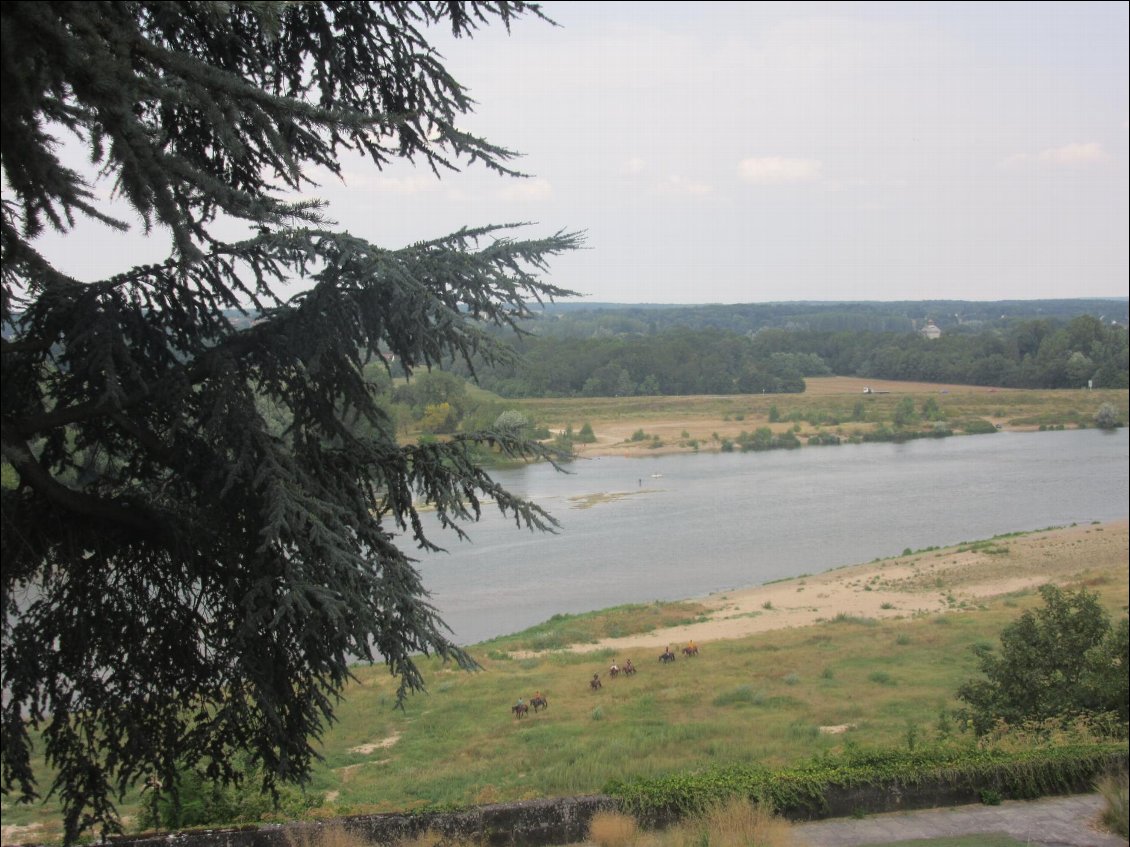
[(613, 829), (732, 823)]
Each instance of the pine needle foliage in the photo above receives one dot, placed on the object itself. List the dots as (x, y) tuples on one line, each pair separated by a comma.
[(211, 516)]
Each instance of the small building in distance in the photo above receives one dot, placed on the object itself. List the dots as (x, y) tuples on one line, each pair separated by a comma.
[(931, 330)]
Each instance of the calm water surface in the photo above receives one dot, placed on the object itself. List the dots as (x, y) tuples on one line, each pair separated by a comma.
[(689, 525)]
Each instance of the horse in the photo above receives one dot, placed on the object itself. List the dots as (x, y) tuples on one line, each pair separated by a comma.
[(539, 703), (690, 650), (594, 683), (520, 710), (628, 668), (614, 671), (667, 656)]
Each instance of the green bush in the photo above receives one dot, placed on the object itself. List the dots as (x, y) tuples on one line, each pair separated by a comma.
[(802, 792), (977, 426), (1060, 660)]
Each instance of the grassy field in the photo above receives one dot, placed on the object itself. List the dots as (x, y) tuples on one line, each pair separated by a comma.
[(835, 405), (777, 697)]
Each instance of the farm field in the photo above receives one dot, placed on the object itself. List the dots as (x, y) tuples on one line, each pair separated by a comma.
[(868, 655)]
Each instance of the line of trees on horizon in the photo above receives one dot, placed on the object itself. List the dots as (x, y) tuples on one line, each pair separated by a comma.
[(1037, 353)]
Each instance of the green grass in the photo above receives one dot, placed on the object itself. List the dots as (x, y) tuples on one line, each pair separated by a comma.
[(562, 631), (758, 700)]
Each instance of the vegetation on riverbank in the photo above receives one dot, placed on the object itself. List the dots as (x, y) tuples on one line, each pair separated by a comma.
[(832, 410), (774, 699)]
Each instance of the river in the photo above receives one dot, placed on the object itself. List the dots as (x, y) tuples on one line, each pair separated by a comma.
[(683, 526)]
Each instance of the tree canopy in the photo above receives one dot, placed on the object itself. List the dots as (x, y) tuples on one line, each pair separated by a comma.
[(1060, 660), (201, 537)]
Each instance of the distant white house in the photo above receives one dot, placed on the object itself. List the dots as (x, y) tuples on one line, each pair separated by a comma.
[(931, 330)]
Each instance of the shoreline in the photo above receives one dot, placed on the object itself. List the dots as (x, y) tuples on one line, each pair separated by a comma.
[(946, 580)]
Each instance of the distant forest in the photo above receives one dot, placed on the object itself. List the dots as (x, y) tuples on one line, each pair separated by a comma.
[(609, 350)]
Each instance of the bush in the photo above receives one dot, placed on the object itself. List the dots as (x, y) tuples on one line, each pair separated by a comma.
[(1107, 417), (977, 426), (1059, 660)]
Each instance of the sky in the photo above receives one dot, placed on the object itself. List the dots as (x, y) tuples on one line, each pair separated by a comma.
[(733, 152)]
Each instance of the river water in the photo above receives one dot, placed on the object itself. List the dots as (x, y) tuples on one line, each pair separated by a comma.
[(683, 526)]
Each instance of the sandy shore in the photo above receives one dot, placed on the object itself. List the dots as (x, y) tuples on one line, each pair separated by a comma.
[(937, 581)]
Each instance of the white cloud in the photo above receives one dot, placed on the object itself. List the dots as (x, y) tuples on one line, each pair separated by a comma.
[(778, 170), (1076, 153), (527, 191)]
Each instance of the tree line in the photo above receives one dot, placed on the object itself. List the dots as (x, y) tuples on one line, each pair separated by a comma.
[(1035, 353)]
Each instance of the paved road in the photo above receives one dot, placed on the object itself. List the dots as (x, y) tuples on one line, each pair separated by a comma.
[(1050, 822)]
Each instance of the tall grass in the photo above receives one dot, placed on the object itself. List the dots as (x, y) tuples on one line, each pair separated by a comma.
[(732, 823), (1115, 790)]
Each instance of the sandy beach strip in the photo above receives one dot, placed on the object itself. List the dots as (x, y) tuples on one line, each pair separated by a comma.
[(941, 581)]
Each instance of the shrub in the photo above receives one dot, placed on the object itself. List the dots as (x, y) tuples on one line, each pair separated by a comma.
[(1057, 660), (1107, 417), (977, 426)]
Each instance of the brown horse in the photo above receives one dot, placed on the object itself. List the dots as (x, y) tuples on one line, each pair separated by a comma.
[(539, 703), (594, 683), (690, 650), (614, 671), (629, 669), (520, 710)]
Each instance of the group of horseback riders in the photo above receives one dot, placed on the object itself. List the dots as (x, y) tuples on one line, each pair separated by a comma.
[(538, 701), (668, 655), (522, 708)]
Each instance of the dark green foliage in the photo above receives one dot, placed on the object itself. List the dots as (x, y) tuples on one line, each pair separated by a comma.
[(1056, 661), (803, 792), (747, 348), (210, 518)]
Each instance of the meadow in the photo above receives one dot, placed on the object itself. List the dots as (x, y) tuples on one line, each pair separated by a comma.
[(829, 405)]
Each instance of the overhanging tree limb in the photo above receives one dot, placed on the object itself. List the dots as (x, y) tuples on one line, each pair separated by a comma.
[(210, 519)]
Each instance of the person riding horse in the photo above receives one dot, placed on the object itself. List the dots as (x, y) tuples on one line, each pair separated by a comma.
[(629, 668), (594, 683), (667, 655), (538, 702), (614, 670)]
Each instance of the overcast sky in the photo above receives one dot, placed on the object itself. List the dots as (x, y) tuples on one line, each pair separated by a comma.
[(738, 152)]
